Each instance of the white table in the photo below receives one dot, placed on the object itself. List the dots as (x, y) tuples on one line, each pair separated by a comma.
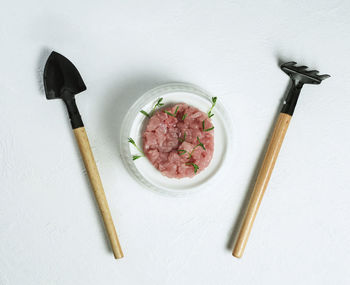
[(50, 230)]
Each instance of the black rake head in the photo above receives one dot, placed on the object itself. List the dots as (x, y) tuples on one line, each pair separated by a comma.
[(300, 75)]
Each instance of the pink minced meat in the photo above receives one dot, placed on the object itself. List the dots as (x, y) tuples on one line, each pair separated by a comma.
[(163, 138)]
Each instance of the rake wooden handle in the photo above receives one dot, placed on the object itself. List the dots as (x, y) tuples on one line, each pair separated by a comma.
[(95, 180), (261, 182)]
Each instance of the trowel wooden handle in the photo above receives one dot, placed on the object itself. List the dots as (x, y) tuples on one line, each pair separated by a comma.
[(95, 180), (261, 182)]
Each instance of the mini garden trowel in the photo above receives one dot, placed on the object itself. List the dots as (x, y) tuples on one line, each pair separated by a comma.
[(63, 81), (299, 76)]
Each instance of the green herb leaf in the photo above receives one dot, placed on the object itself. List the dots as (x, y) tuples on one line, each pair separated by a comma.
[(158, 104), (183, 151), (213, 100), (184, 117), (204, 129), (200, 144), (195, 166), (145, 113), (167, 112), (210, 129), (130, 140), (170, 114), (134, 157)]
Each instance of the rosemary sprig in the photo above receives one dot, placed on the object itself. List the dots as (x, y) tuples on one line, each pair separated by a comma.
[(134, 157), (213, 100), (184, 117), (204, 129), (183, 151), (158, 104), (200, 144), (195, 166), (170, 114)]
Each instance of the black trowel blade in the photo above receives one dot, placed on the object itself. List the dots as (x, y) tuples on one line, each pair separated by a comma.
[(60, 75)]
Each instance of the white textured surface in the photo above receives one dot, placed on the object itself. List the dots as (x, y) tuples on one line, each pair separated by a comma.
[(50, 232)]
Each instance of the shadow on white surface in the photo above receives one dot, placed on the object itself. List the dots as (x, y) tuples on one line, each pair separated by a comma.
[(43, 56), (239, 219), (119, 99)]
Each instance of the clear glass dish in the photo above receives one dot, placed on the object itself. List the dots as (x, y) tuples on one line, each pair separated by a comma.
[(134, 122)]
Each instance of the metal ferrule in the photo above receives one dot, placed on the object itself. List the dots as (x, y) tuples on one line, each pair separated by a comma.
[(292, 99)]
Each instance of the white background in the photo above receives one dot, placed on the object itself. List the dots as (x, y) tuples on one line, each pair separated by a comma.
[(50, 230)]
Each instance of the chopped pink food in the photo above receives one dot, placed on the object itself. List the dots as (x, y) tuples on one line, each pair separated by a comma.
[(169, 140)]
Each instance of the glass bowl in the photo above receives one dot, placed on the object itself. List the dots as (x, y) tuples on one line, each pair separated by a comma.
[(134, 123)]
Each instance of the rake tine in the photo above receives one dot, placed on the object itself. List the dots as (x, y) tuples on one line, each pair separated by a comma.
[(303, 67), (313, 72), (288, 64), (324, 76)]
